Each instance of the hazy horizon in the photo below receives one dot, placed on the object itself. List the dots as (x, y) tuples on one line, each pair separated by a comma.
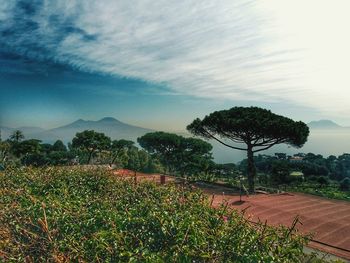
[(322, 141), (179, 130)]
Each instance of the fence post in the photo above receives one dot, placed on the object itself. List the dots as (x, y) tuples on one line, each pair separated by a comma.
[(162, 179)]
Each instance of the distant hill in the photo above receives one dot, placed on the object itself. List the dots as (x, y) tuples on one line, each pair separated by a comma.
[(324, 124), (110, 126)]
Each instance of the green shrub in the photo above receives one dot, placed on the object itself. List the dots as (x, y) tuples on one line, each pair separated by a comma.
[(323, 181), (345, 184), (312, 178), (69, 215), (207, 177)]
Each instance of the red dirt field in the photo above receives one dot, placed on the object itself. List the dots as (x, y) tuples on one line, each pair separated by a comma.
[(328, 220)]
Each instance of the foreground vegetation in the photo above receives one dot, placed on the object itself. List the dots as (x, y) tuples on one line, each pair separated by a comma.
[(66, 214)]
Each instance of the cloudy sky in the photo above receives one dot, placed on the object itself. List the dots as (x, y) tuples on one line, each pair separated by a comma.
[(159, 64)]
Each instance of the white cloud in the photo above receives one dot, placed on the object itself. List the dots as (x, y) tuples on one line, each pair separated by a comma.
[(293, 51)]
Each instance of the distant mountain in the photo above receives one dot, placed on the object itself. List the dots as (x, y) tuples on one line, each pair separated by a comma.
[(110, 126), (324, 124)]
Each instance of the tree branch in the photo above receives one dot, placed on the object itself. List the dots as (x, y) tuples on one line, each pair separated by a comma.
[(230, 146), (264, 142), (269, 146), (235, 137)]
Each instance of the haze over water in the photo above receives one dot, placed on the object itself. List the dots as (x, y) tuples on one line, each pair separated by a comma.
[(325, 142)]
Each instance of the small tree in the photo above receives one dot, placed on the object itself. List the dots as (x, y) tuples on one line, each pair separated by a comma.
[(251, 129), (323, 181), (280, 172), (90, 142), (59, 146), (119, 147), (45, 148), (163, 145), (17, 136), (345, 184), (134, 162), (177, 153), (26, 147), (194, 156)]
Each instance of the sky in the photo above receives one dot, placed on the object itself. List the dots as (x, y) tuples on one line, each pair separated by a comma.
[(160, 64)]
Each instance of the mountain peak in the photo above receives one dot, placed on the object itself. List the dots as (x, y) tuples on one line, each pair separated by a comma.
[(108, 119), (108, 125), (79, 121), (323, 124)]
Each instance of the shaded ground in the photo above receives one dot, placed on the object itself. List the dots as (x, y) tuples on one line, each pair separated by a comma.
[(328, 220)]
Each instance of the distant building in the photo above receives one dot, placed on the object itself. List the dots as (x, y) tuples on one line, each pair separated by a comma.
[(281, 156), (296, 174)]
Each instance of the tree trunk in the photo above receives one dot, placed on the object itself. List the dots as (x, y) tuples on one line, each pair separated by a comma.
[(113, 160), (251, 169), (114, 157), (90, 155)]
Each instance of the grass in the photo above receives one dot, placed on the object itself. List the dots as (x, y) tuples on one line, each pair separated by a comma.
[(70, 215), (332, 192)]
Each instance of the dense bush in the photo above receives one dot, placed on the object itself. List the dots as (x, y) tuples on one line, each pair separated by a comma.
[(64, 214), (330, 191), (323, 180), (345, 184)]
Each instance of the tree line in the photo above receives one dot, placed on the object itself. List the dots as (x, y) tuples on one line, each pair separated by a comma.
[(162, 152), (315, 168), (250, 129)]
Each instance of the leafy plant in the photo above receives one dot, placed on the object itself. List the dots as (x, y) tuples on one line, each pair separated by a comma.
[(345, 184)]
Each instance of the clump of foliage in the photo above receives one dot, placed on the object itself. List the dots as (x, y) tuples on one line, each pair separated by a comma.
[(66, 214), (329, 191), (345, 184), (179, 155), (323, 181), (90, 141)]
